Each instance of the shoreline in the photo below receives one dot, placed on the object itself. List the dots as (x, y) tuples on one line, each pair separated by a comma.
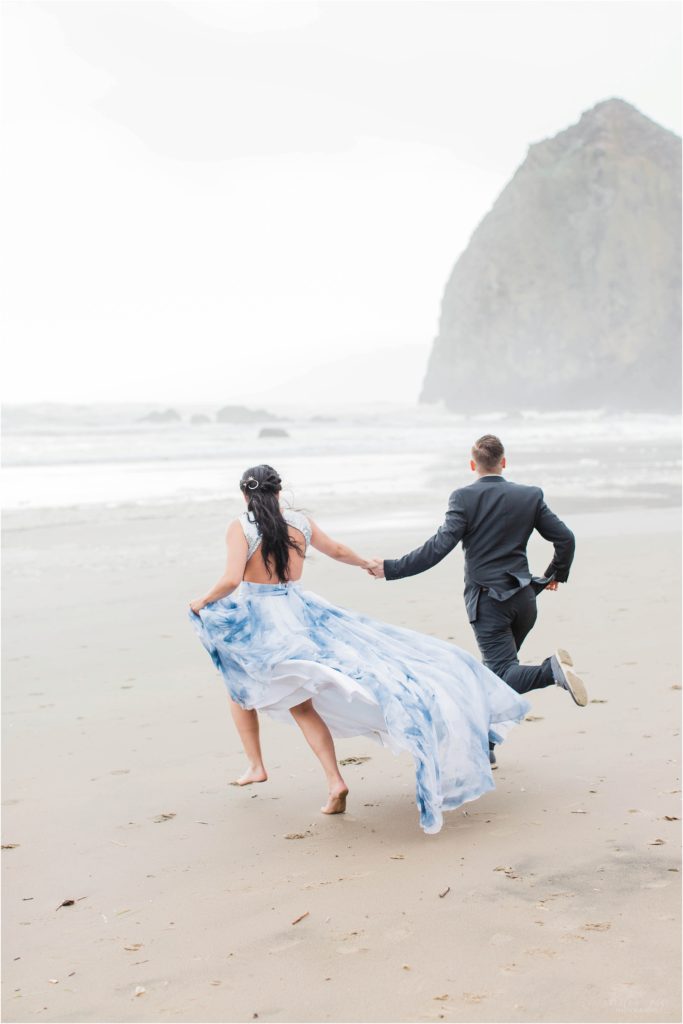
[(364, 515)]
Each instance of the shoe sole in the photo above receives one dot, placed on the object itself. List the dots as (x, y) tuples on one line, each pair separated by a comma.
[(564, 657), (575, 686)]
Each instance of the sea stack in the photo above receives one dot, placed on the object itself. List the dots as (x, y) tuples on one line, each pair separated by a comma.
[(568, 295)]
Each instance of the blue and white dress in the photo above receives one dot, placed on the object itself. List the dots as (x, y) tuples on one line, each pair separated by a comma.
[(277, 645)]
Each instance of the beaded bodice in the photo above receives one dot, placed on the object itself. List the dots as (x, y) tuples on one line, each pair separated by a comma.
[(296, 519)]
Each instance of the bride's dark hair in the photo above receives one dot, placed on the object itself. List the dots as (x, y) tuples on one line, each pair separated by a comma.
[(262, 485)]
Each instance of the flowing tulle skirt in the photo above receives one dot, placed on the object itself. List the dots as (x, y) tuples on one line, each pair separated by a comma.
[(277, 645)]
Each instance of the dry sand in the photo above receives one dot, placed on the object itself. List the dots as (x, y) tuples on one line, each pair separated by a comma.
[(562, 886)]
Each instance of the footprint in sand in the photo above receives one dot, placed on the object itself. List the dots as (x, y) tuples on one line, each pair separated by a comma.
[(284, 947)]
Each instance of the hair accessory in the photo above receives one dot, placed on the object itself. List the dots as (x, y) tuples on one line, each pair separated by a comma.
[(251, 483)]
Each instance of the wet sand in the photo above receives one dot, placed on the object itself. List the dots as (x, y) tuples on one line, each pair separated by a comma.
[(554, 898)]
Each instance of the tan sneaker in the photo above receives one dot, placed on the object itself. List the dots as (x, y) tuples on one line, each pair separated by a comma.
[(566, 678)]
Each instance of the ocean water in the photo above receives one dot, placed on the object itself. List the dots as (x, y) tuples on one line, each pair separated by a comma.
[(409, 458)]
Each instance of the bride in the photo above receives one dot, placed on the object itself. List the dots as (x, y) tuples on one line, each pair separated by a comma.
[(287, 651)]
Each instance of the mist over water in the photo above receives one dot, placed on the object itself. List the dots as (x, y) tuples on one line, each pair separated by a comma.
[(404, 460)]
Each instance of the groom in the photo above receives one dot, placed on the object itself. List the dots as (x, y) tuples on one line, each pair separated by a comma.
[(494, 519)]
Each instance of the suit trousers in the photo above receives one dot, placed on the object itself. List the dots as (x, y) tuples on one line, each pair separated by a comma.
[(500, 629)]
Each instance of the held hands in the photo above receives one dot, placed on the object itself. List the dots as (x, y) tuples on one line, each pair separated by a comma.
[(375, 567)]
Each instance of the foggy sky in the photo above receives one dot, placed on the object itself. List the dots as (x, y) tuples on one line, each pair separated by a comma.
[(204, 200)]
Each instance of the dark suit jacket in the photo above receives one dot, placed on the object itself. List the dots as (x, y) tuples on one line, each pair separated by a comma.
[(494, 519)]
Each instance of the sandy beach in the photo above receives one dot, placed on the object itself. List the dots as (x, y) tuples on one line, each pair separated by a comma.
[(553, 898)]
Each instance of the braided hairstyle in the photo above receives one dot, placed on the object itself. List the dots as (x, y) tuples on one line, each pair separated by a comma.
[(262, 485)]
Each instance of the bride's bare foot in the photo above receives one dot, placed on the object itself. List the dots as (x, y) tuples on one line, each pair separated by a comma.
[(251, 775), (336, 803)]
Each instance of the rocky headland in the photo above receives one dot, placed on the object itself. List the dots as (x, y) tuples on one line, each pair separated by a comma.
[(568, 295)]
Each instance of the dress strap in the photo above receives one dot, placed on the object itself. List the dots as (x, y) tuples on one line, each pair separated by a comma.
[(250, 532), (296, 519), (299, 521)]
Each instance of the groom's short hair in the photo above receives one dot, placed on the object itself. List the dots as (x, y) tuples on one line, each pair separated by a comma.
[(488, 451)]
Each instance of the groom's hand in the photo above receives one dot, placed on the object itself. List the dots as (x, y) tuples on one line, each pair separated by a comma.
[(553, 586), (376, 568)]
